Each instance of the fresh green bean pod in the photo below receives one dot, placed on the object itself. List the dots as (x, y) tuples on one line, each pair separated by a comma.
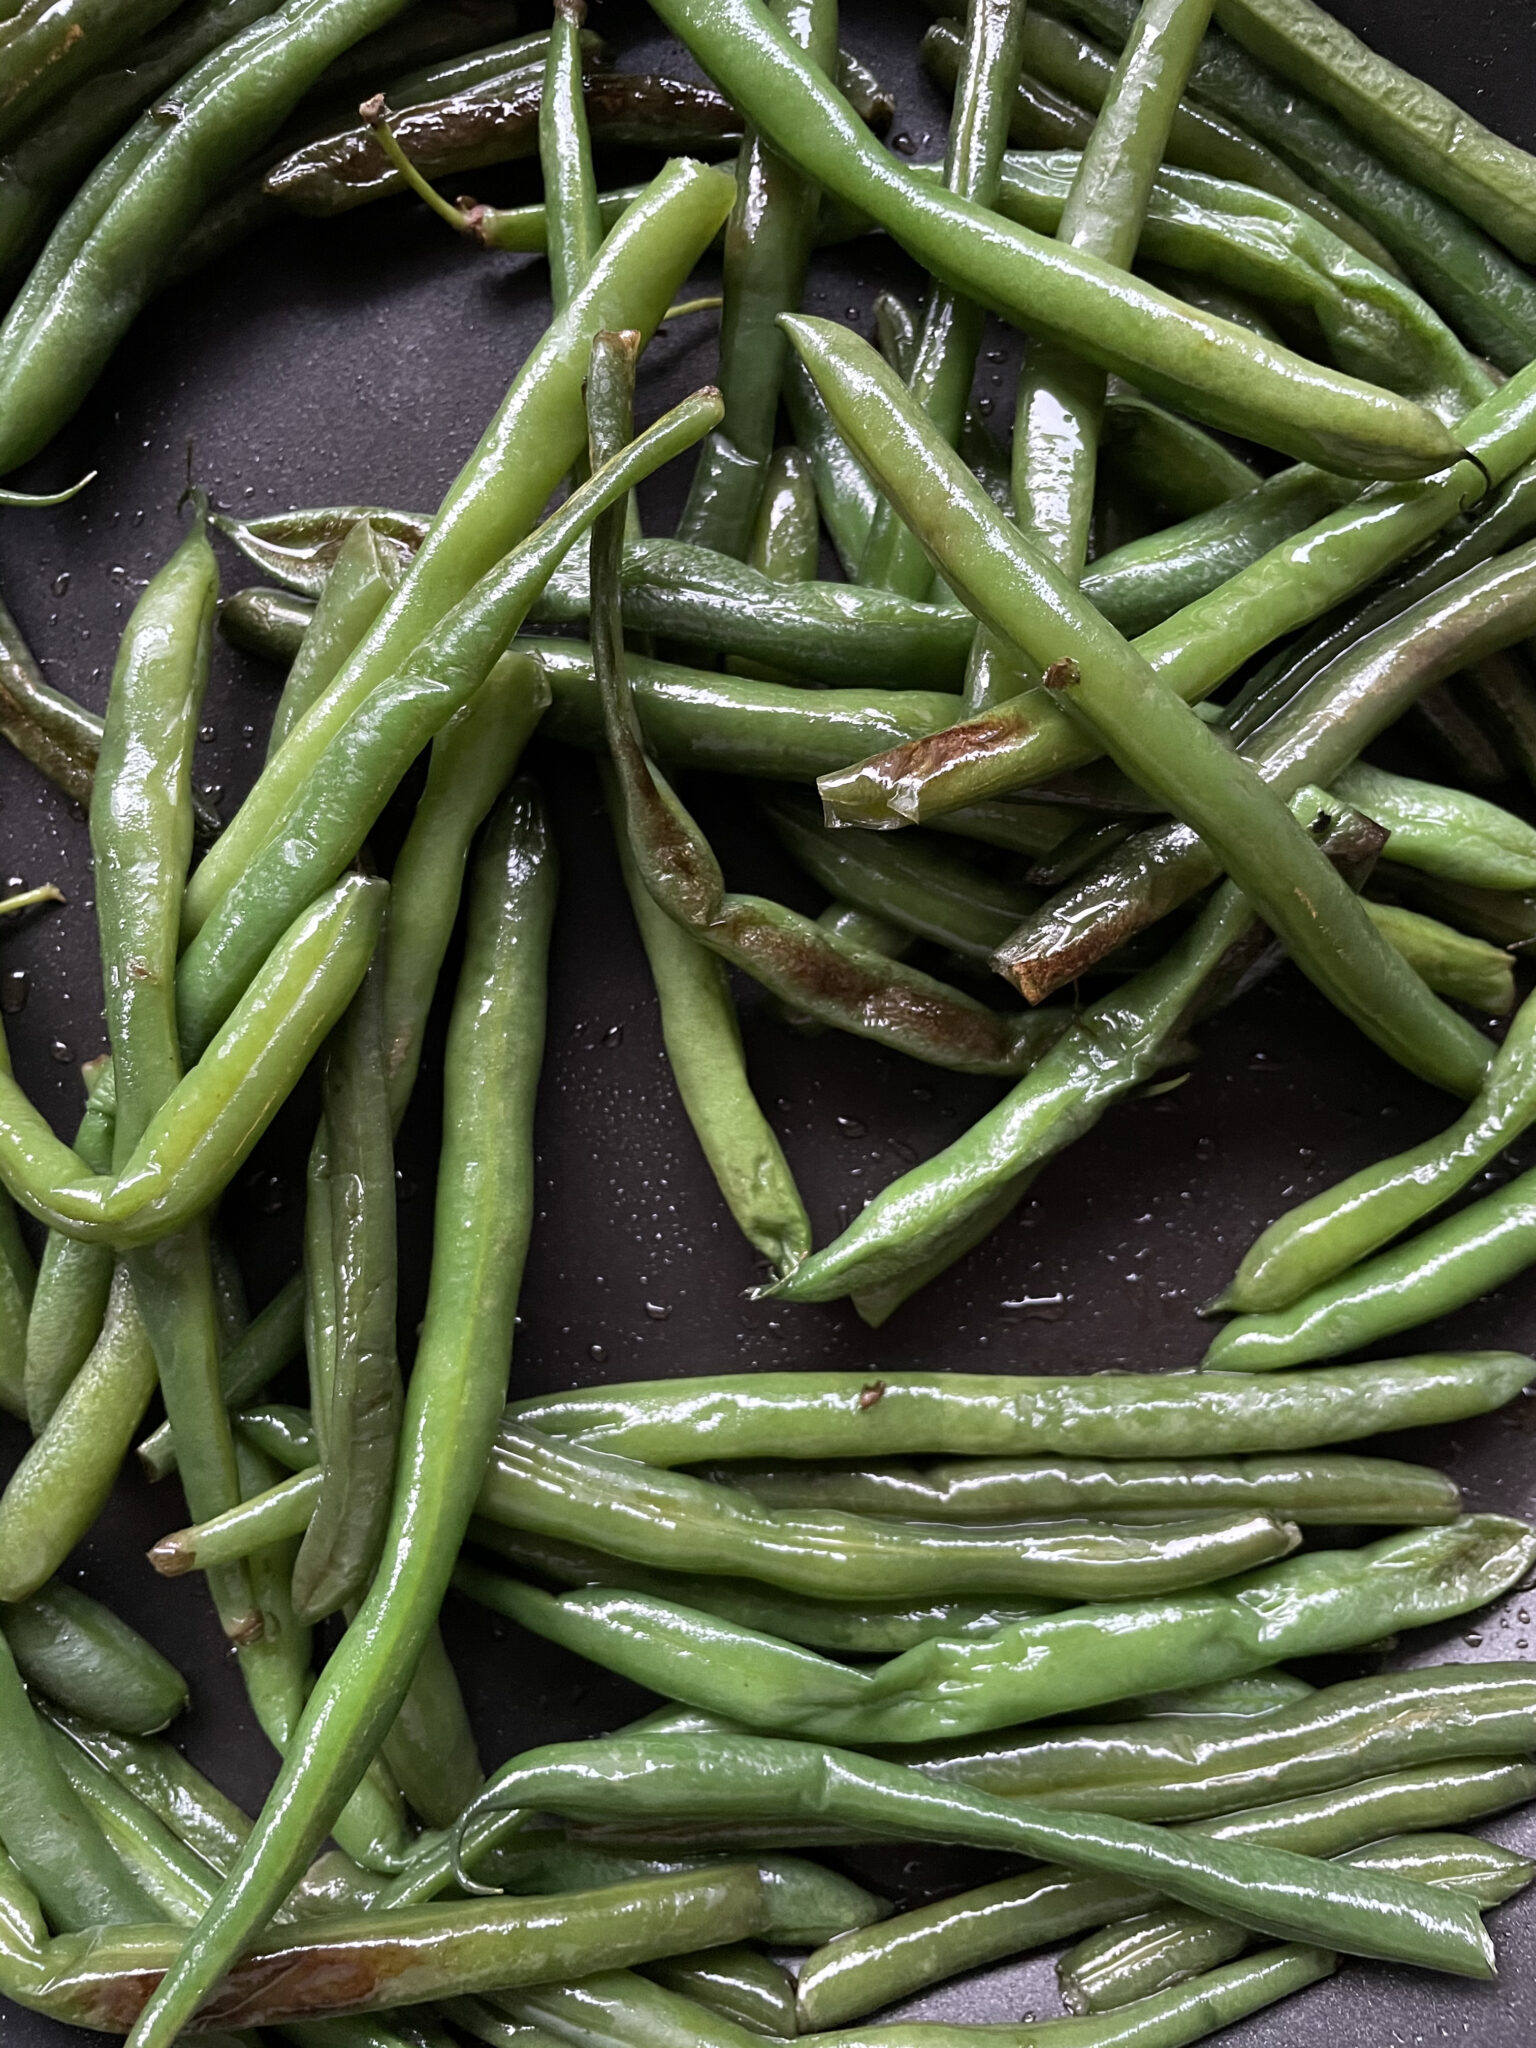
[(920, 887), (270, 624), (1454, 965), (860, 1972), (1314, 734), (275, 1667), (565, 158), (46, 48), (1168, 459), (47, 727), (1494, 697), (1205, 642), (1328, 1601), (768, 239), (1447, 832), (704, 1050), (611, 2010), (1109, 1415), (328, 818), (64, 1478), (357, 589), (1138, 1958), (74, 1280), (357, 1402), (1212, 371), (857, 1628), (786, 538), (300, 550), (1323, 1237), (737, 1982), (1156, 737), (843, 491), (54, 1842), (947, 337), (1467, 277), (737, 1776), (484, 1214), (1315, 1490), (1505, 917), (1426, 135), (275, 1336), (430, 1747), (1444, 1267), (499, 495), (678, 1523), (77, 1653)]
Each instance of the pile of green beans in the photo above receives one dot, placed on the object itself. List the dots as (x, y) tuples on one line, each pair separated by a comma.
[(1130, 668)]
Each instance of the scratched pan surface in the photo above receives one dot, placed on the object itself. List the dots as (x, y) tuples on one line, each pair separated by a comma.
[(359, 362)]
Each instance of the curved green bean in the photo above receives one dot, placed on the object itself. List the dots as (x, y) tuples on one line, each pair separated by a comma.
[(738, 1982), (275, 1336), (74, 1280), (82, 1657), (357, 589), (1447, 832)]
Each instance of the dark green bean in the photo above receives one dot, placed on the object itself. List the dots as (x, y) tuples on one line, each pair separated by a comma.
[(1494, 697), (1462, 969), (77, 1652), (739, 1982), (565, 158), (1315, 1490), (47, 727), (843, 491), (1505, 917), (1169, 459), (484, 1214), (275, 1336), (73, 1279), (734, 1776), (301, 549), (1110, 1415), (270, 624), (46, 48)]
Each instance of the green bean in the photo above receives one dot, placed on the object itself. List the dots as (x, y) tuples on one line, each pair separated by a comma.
[(63, 1481), (1325, 1600), (1417, 128), (1315, 733), (1157, 739), (275, 1336), (786, 538), (483, 1217), (830, 632), (1169, 459), (1445, 831), (845, 494), (704, 1050), (1375, 326), (619, 2011), (472, 761), (860, 1628), (737, 1982), (1493, 698), (73, 1279), (1505, 917), (1315, 1490), (1139, 333), (948, 334), (859, 1972), (1140, 1957), (921, 887), (45, 49), (270, 624), (1199, 139), (499, 494), (44, 725), (683, 1524), (356, 591), (77, 1652), (275, 1667), (430, 1746), (768, 240), (1462, 969), (1109, 1415), (327, 819), (743, 1776), (123, 227), (1444, 1267), (927, 1216), (141, 836), (565, 158), (1467, 277), (357, 1404), (1204, 643), (1334, 1230), (56, 1845)]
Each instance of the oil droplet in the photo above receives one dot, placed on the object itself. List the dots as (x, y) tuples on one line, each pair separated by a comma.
[(1041, 1308), (614, 1035), (62, 1051), (14, 990), (658, 1311), (598, 1354), (851, 1126)]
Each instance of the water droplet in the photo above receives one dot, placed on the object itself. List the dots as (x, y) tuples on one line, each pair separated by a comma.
[(13, 883), (271, 1194), (406, 1189), (1473, 1641), (614, 1035), (903, 143), (984, 405), (851, 1126), (14, 990), (207, 732), (61, 583), (1205, 1148), (850, 312), (658, 1311), (1040, 1308), (167, 112), (598, 1353), (62, 1051)]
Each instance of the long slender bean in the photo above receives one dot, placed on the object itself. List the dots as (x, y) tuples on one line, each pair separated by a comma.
[(356, 590), (275, 1336), (83, 1658), (483, 1218), (74, 1280)]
